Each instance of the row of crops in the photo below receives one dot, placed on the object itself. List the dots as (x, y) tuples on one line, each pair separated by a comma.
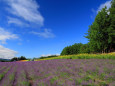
[(58, 72)]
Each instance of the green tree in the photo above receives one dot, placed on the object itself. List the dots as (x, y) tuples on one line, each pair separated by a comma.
[(74, 49), (111, 29), (97, 33), (85, 48), (66, 51), (14, 59), (22, 58)]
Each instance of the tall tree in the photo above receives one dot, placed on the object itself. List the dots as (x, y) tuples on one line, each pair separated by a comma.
[(111, 29), (97, 33)]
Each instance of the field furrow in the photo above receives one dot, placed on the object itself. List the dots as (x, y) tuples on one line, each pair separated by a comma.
[(8, 78), (61, 72)]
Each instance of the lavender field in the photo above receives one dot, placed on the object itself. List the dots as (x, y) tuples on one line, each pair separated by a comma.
[(61, 72)]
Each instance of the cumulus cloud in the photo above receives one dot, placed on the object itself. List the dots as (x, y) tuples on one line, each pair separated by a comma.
[(47, 33), (25, 9), (107, 4), (6, 53), (5, 35)]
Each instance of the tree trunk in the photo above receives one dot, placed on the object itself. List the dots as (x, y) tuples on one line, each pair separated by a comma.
[(110, 48), (104, 50)]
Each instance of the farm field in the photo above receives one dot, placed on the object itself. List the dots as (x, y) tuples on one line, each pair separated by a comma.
[(58, 72)]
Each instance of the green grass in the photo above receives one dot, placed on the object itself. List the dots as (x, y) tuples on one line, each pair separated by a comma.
[(52, 80), (1, 76), (78, 81)]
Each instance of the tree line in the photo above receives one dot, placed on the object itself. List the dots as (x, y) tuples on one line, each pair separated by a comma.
[(18, 58), (77, 48), (14, 59), (101, 34), (43, 57)]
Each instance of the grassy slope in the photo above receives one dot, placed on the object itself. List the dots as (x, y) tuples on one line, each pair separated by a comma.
[(84, 56)]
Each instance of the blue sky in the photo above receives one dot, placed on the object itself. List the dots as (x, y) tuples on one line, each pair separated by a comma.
[(35, 28)]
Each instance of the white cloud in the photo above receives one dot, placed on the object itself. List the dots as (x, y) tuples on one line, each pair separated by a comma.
[(26, 13), (47, 33), (16, 21), (6, 53), (94, 12), (27, 10), (107, 4), (49, 55), (5, 35)]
